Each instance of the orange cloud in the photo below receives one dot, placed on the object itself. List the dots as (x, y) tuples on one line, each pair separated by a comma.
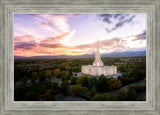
[(27, 46), (55, 39)]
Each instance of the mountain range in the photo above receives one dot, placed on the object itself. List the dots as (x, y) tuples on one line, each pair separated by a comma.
[(113, 54)]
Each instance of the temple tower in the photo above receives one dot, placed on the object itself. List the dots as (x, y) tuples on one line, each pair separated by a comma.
[(97, 61), (98, 68)]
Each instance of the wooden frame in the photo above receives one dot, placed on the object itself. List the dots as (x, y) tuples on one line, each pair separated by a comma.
[(9, 106)]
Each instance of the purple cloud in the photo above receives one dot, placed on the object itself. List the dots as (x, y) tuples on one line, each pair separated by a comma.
[(25, 45), (141, 36), (107, 18), (121, 18), (120, 24)]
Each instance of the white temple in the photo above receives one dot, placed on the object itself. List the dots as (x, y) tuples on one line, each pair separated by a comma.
[(98, 67)]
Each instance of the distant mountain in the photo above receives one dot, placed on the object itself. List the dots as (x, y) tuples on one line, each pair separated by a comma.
[(125, 54), (113, 54), (54, 57)]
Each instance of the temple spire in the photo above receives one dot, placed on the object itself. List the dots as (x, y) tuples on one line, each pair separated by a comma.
[(98, 47), (97, 61)]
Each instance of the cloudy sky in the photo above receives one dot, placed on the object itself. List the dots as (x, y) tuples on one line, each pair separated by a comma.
[(77, 34)]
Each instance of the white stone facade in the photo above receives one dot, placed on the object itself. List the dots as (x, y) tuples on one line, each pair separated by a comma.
[(98, 67), (98, 70)]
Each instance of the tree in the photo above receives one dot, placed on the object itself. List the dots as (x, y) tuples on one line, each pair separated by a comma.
[(73, 80), (48, 95), (85, 82), (138, 88), (132, 95), (55, 86), (32, 96), (56, 72), (64, 75), (65, 87), (103, 85), (24, 80), (103, 97), (79, 90), (80, 79), (42, 88), (122, 95), (62, 68), (34, 77), (121, 68), (93, 83), (48, 74), (115, 83), (93, 91), (42, 76)]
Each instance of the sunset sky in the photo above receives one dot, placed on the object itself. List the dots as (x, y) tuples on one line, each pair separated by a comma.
[(76, 34)]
